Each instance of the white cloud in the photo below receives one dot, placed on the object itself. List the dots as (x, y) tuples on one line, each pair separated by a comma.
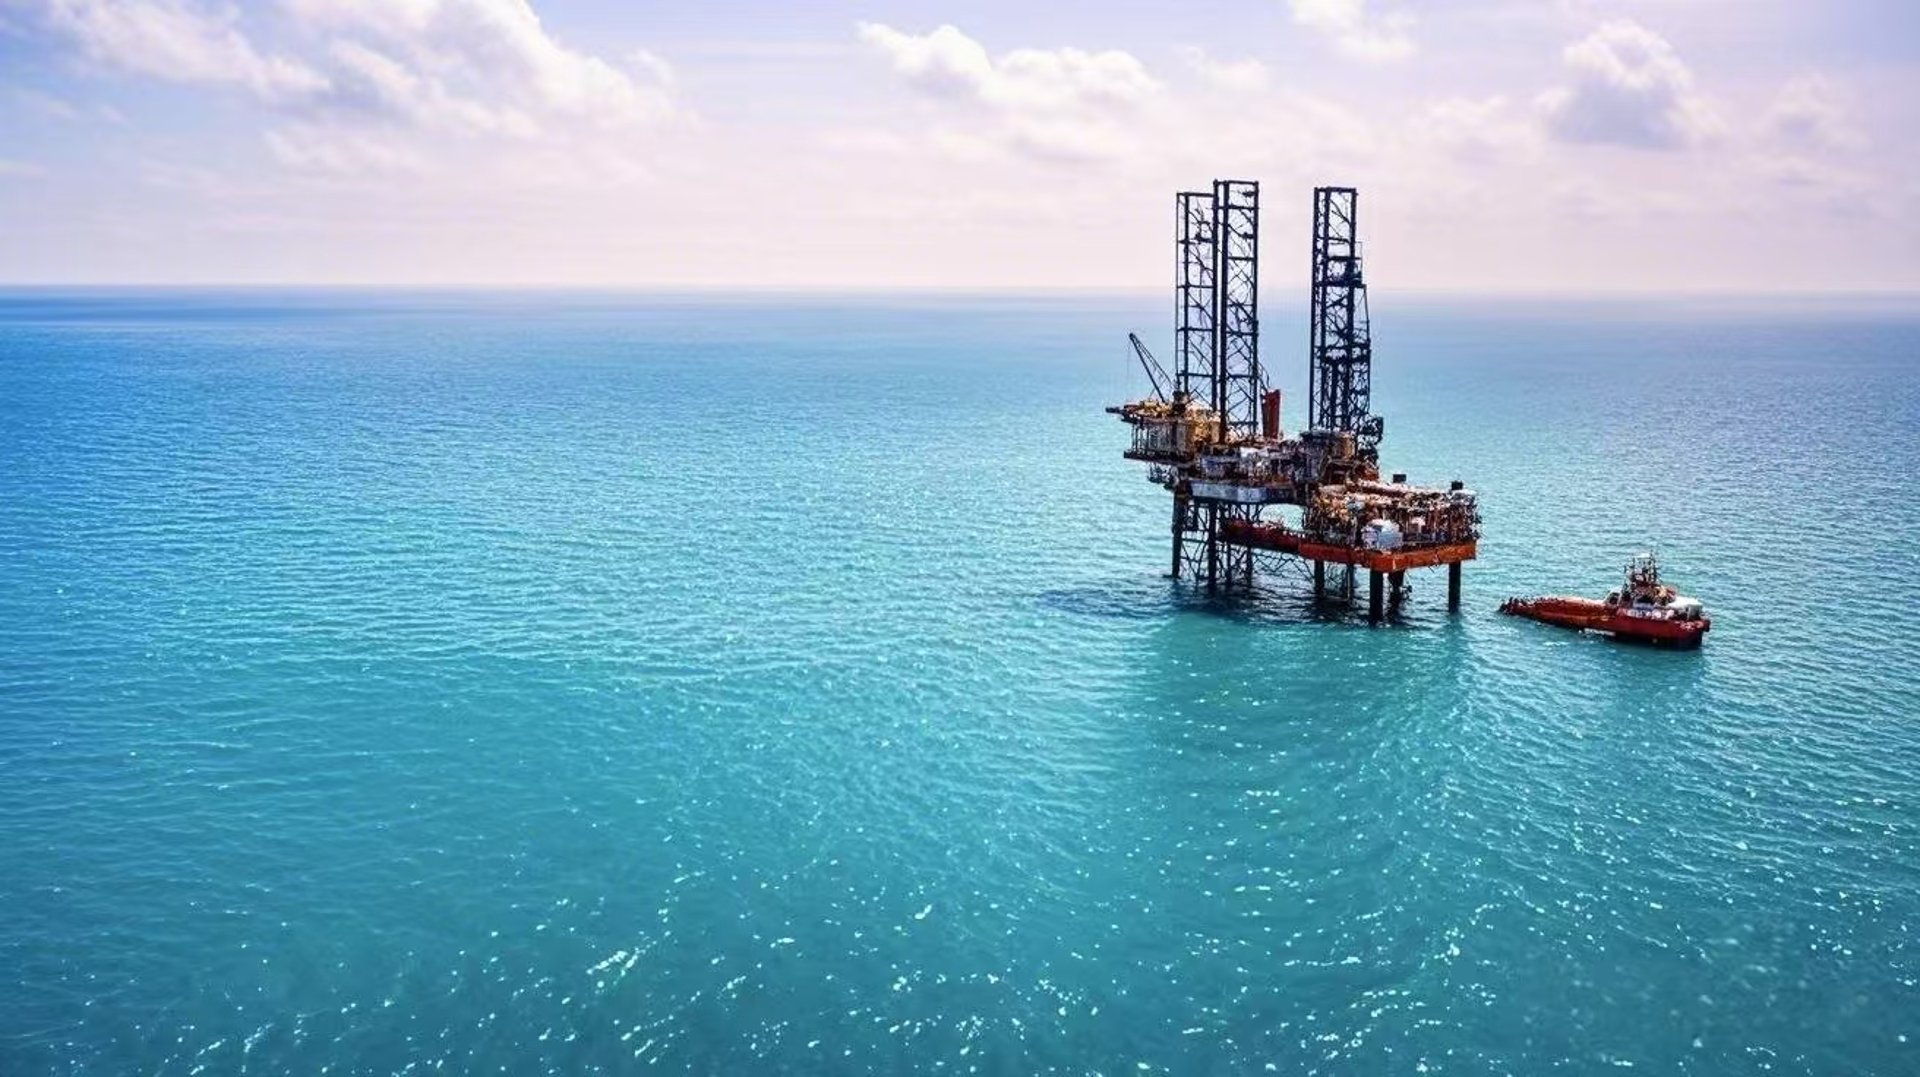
[(366, 78), (1478, 130), (947, 62), (493, 50), (1800, 172), (363, 74), (1809, 113), (472, 140), (1629, 88), (1805, 145), (1246, 74), (179, 41), (655, 67), (423, 83), (944, 62), (1836, 189), (341, 151), (390, 86), (53, 107), (1063, 104), (1354, 32)]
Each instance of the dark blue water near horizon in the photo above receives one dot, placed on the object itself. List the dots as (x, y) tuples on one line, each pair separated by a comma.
[(592, 682)]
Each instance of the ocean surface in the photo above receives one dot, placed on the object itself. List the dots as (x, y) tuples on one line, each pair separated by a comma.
[(594, 683)]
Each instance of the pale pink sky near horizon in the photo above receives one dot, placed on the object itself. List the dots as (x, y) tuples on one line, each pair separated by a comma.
[(1563, 146)]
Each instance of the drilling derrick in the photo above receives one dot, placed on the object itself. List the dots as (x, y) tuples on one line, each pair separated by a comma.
[(1211, 436), (1340, 370), (1193, 322), (1236, 217), (1216, 343), (1196, 551)]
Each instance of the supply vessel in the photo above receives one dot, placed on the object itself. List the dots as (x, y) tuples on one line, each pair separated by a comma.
[(1644, 610)]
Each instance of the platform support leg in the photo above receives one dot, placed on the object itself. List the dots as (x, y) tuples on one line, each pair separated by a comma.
[(1374, 580), (1319, 579), (1179, 529), (1453, 586), (1396, 588), (1213, 547)]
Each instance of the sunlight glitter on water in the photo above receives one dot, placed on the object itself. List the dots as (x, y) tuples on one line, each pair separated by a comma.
[(385, 685)]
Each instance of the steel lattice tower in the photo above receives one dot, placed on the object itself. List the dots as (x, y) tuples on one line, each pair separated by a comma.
[(1193, 292), (1194, 527), (1236, 225), (1340, 375), (1217, 355)]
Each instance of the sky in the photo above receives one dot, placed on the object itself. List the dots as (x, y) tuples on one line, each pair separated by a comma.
[(1583, 146)]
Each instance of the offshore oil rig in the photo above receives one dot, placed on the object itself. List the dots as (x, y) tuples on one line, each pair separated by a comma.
[(1210, 431)]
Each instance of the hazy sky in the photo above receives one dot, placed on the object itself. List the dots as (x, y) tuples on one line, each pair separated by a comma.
[(1579, 144)]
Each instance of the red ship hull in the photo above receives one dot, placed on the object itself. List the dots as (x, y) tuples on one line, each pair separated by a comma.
[(1588, 615)]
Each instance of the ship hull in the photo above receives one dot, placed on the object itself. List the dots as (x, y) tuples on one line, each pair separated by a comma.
[(1585, 614)]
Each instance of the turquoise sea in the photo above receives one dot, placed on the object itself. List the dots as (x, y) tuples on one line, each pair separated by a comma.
[(598, 683)]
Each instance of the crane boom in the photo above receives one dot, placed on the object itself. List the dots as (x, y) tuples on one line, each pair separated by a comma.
[(1156, 373)]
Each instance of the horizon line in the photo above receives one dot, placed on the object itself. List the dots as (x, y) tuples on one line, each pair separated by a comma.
[(994, 290)]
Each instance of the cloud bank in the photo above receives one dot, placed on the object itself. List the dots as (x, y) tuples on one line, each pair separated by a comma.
[(899, 152), (1066, 102), (381, 86), (1355, 32), (179, 42), (1628, 88)]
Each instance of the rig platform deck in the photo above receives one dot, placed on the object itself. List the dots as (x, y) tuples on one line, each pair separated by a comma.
[(1279, 538)]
